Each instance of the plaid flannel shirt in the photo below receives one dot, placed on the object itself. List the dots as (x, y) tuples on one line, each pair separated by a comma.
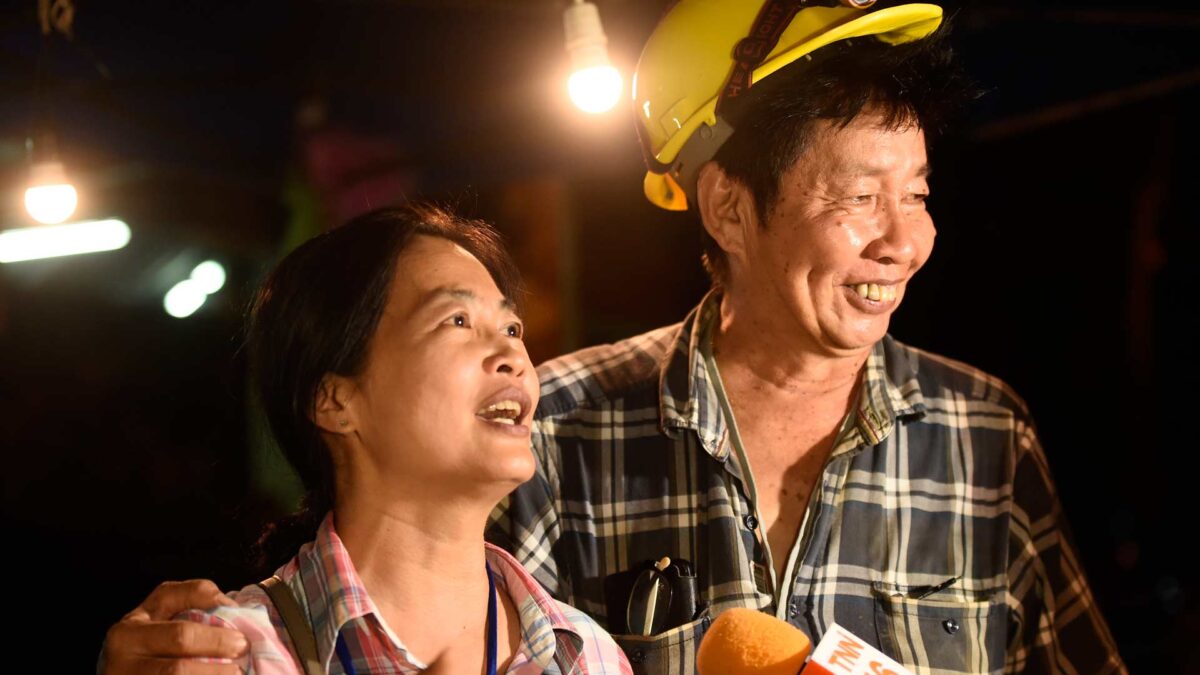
[(555, 639), (934, 532)]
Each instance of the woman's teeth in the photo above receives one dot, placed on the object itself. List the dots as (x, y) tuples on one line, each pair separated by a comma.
[(876, 292), (502, 412)]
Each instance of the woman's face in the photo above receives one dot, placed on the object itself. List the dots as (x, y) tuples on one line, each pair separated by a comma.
[(445, 401)]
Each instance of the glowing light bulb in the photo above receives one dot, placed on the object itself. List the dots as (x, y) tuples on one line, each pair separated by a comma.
[(50, 197), (595, 90), (184, 298), (594, 85), (210, 274)]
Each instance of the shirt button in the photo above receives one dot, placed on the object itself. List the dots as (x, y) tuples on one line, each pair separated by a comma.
[(793, 609), (637, 656), (950, 625), (751, 522)]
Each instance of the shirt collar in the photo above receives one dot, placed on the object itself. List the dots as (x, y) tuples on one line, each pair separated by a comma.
[(546, 632), (334, 593), (889, 392), (329, 585), (687, 397)]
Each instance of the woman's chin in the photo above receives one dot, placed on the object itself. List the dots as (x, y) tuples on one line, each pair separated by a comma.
[(514, 469), (503, 468)]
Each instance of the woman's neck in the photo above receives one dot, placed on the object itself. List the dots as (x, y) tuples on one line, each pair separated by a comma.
[(423, 567)]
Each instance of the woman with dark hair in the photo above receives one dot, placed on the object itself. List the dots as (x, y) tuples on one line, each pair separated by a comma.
[(389, 361)]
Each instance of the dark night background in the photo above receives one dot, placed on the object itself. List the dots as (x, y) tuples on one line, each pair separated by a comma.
[(1065, 264)]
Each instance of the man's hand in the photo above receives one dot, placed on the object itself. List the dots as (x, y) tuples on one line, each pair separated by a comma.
[(146, 641)]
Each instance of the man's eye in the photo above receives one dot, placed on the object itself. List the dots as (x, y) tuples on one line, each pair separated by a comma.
[(459, 320), (860, 199), (918, 197), (515, 330)]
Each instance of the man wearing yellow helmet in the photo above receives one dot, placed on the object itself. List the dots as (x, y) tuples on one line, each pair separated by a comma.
[(777, 449), (778, 444)]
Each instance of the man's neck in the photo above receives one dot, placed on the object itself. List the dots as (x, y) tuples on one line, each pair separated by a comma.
[(789, 401), (760, 355)]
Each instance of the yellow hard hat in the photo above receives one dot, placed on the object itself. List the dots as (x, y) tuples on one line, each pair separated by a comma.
[(688, 60)]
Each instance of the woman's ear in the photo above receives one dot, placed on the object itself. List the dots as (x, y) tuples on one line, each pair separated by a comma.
[(726, 209), (332, 409)]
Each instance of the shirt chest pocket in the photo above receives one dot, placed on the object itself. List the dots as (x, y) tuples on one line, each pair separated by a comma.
[(947, 632), (667, 653)]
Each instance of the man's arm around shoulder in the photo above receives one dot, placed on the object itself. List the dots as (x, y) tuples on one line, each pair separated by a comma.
[(147, 641)]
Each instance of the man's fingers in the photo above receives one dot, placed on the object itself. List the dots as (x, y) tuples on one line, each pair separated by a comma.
[(198, 668), (129, 640), (173, 667), (184, 638), (146, 641), (172, 597)]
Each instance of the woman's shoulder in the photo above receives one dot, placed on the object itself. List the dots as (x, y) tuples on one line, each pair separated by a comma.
[(253, 616)]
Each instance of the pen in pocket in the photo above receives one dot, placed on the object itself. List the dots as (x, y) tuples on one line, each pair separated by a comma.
[(926, 591)]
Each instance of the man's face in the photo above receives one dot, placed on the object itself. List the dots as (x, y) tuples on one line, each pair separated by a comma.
[(848, 230)]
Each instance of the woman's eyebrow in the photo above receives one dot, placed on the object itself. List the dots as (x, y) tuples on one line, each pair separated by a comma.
[(464, 294)]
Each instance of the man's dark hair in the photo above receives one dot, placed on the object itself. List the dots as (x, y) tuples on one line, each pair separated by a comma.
[(316, 314), (913, 83)]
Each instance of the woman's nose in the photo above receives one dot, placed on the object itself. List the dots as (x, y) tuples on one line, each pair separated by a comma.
[(509, 357)]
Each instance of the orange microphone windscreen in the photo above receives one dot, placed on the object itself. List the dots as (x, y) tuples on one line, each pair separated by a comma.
[(743, 640)]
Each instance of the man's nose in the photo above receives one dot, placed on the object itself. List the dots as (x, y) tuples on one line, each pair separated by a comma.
[(899, 232)]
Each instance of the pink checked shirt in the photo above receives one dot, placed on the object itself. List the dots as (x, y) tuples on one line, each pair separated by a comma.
[(556, 639)]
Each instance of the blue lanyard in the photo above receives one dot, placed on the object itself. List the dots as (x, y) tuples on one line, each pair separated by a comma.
[(343, 651), (491, 626), (344, 655)]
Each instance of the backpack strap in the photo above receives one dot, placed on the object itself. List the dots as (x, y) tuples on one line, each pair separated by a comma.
[(296, 622)]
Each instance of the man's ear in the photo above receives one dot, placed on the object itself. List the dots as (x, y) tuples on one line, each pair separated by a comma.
[(726, 209), (332, 409)]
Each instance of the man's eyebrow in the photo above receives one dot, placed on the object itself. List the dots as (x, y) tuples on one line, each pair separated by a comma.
[(859, 169), (464, 294)]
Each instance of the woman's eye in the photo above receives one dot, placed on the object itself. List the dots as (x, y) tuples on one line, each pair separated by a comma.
[(460, 320), (860, 199), (514, 330)]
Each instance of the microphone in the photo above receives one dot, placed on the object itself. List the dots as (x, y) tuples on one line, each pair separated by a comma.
[(743, 640)]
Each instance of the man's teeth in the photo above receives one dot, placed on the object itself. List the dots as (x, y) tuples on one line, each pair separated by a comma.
[(503, 412), (876, 292)]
